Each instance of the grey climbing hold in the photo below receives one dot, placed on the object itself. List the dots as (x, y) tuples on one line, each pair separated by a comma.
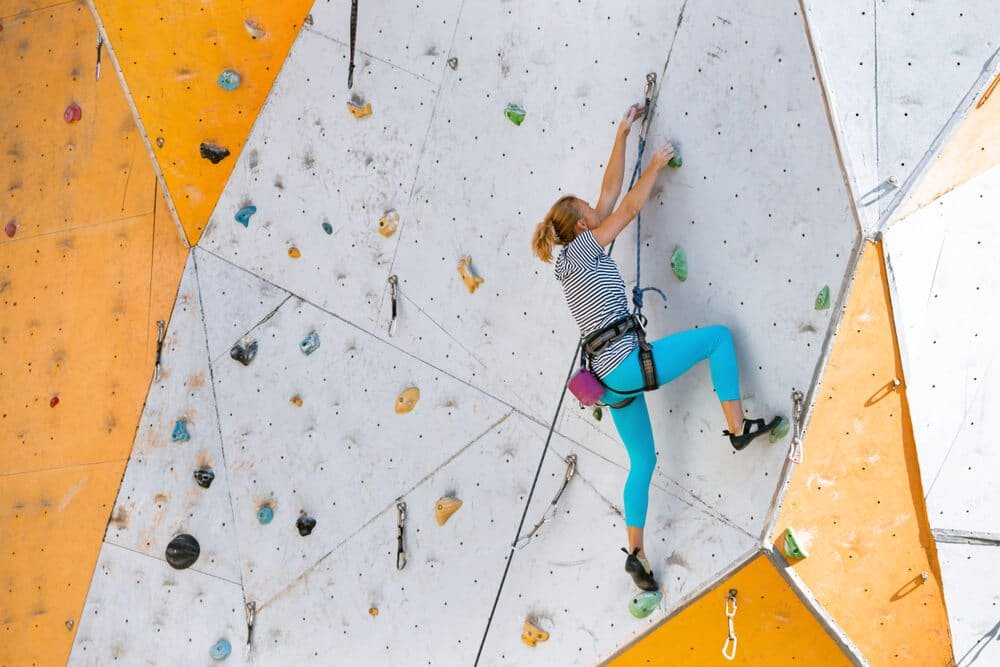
[(310, 343), (679, 263), (243, 215), (823, 298), (643, 604), (204, 477), (328, 228), (229, 80), (265, 514), (305, 524), (220, 650), (212, 153), (244, 353), (182, 551), (180, 433)]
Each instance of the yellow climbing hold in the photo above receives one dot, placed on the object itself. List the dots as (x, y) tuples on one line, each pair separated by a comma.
[(359, 110), (407, 400), (387, 223), (294, 253), (472, 281), (297, 401), (254, 29), (531, 634), (445, 508), (373, 611)]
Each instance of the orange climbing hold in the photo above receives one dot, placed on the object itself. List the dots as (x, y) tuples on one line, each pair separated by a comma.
[(388, 223), (531, 634), (445, 508), (472, 281), (359, 110), (407, 400), (297, 401), (294, 253)]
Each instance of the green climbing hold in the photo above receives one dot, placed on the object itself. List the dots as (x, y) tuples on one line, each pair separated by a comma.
[(823, 298), (515, 113), (779, 431), (679, 264), (598, 413), (676, 162), (792, 548), (643, 604)]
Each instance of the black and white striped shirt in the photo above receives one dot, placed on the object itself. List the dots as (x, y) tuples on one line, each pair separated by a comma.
[(595, 293)]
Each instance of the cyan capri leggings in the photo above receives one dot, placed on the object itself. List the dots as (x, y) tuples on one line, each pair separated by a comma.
[(673, 356)]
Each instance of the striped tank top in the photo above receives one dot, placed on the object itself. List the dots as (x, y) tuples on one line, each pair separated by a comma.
[(595, 293)]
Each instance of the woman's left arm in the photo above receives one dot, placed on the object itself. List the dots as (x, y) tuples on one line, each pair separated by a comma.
[(611, 186)]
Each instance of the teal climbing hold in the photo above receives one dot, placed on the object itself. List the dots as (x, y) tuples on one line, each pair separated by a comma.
[(823, 298), (643, 604), (679, 263), (229, 80), (328, 228), (515, 113), (779, 431), (180, 433), (675, 162), (598, 413), (265, 514), (220, 650), (243, 215), (310, 343)]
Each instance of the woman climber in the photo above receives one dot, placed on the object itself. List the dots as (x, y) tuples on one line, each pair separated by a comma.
[(613, 341)]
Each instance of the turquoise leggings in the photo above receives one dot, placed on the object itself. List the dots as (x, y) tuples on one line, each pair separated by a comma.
[(673, 356)]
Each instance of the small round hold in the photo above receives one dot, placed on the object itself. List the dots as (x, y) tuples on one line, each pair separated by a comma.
[(265, 514), (204, 477), (297, 401), (10, 229), (328, 228), (893, 181), (373, 611), (70, 623), (254, 29), (72, 113), (182, 551), (54, 401), (924, 576), (220, 650), (294, 253), (160, 141), (305, 524), (229, 80), (453, 63)]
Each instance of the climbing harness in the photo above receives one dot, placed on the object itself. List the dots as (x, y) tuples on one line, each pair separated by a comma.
[(393, 294), (795, 453), (400, 552), (729, 648), (251, 617), (161, 332), (354, 34), (550, 511)]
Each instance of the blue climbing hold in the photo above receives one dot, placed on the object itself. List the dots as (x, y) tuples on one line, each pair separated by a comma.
[(221, 649), (310, 343), (328, 228), (243, 215), (265, 514), (180, 433), (229, 80)]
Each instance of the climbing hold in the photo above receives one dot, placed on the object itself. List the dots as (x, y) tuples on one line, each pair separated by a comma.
[(254, 29), (675, 162), (54, 401), (792, 547), (310, 343), (823, 298), (779, 431), (305, 524), (265, 514), (445, 508), (212, 153), (10, 229), (643, 604), (243, 215), (387, 223), (453, 63), (229, 80), (160, 141), (373, 611), (182, 551), (598, 413), (407, 400), (220, 650), (359, 109), (70, 623), (294, 253), (515, 113), (180, 433), (679, 263), (309, 19), (297, 401), (531, 634), (204, 477), (72, 113), (328, 228), (244, 352), (472, 281)]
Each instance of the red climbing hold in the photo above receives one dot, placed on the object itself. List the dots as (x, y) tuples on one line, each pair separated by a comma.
[(10, 229), (54, 402), (73, 113)]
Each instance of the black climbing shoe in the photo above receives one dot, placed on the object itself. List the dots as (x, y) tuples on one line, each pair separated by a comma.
[(643, 578), (741, 441)]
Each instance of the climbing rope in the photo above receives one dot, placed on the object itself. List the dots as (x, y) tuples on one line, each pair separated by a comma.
[(729, 648)]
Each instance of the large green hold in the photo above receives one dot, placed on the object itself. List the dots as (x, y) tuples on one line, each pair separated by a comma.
[(679, 263), (643, 604), (779, 431), (823, 298), (515, 113), (792, 547), (676, 162)]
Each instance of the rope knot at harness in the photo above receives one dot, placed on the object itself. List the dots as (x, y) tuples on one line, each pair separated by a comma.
[(637, 298)]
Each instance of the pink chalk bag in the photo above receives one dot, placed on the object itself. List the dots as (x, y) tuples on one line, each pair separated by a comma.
[(587, 387)]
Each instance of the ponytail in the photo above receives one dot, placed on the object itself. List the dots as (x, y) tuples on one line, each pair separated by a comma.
[(543, 240), (558, 228)]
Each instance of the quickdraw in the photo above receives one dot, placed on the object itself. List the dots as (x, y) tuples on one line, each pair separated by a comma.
[(795, 453), (550, 511), (729, 648)]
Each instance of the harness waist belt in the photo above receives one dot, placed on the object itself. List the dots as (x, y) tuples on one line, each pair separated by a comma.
[(596, 341)]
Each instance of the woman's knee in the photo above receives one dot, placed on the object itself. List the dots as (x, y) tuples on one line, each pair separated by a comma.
[(721, 332)]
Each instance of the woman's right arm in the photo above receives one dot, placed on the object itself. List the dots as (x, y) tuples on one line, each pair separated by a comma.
[(636, 198)]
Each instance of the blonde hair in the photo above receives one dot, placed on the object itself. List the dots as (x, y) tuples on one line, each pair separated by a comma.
[(558, 228)]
